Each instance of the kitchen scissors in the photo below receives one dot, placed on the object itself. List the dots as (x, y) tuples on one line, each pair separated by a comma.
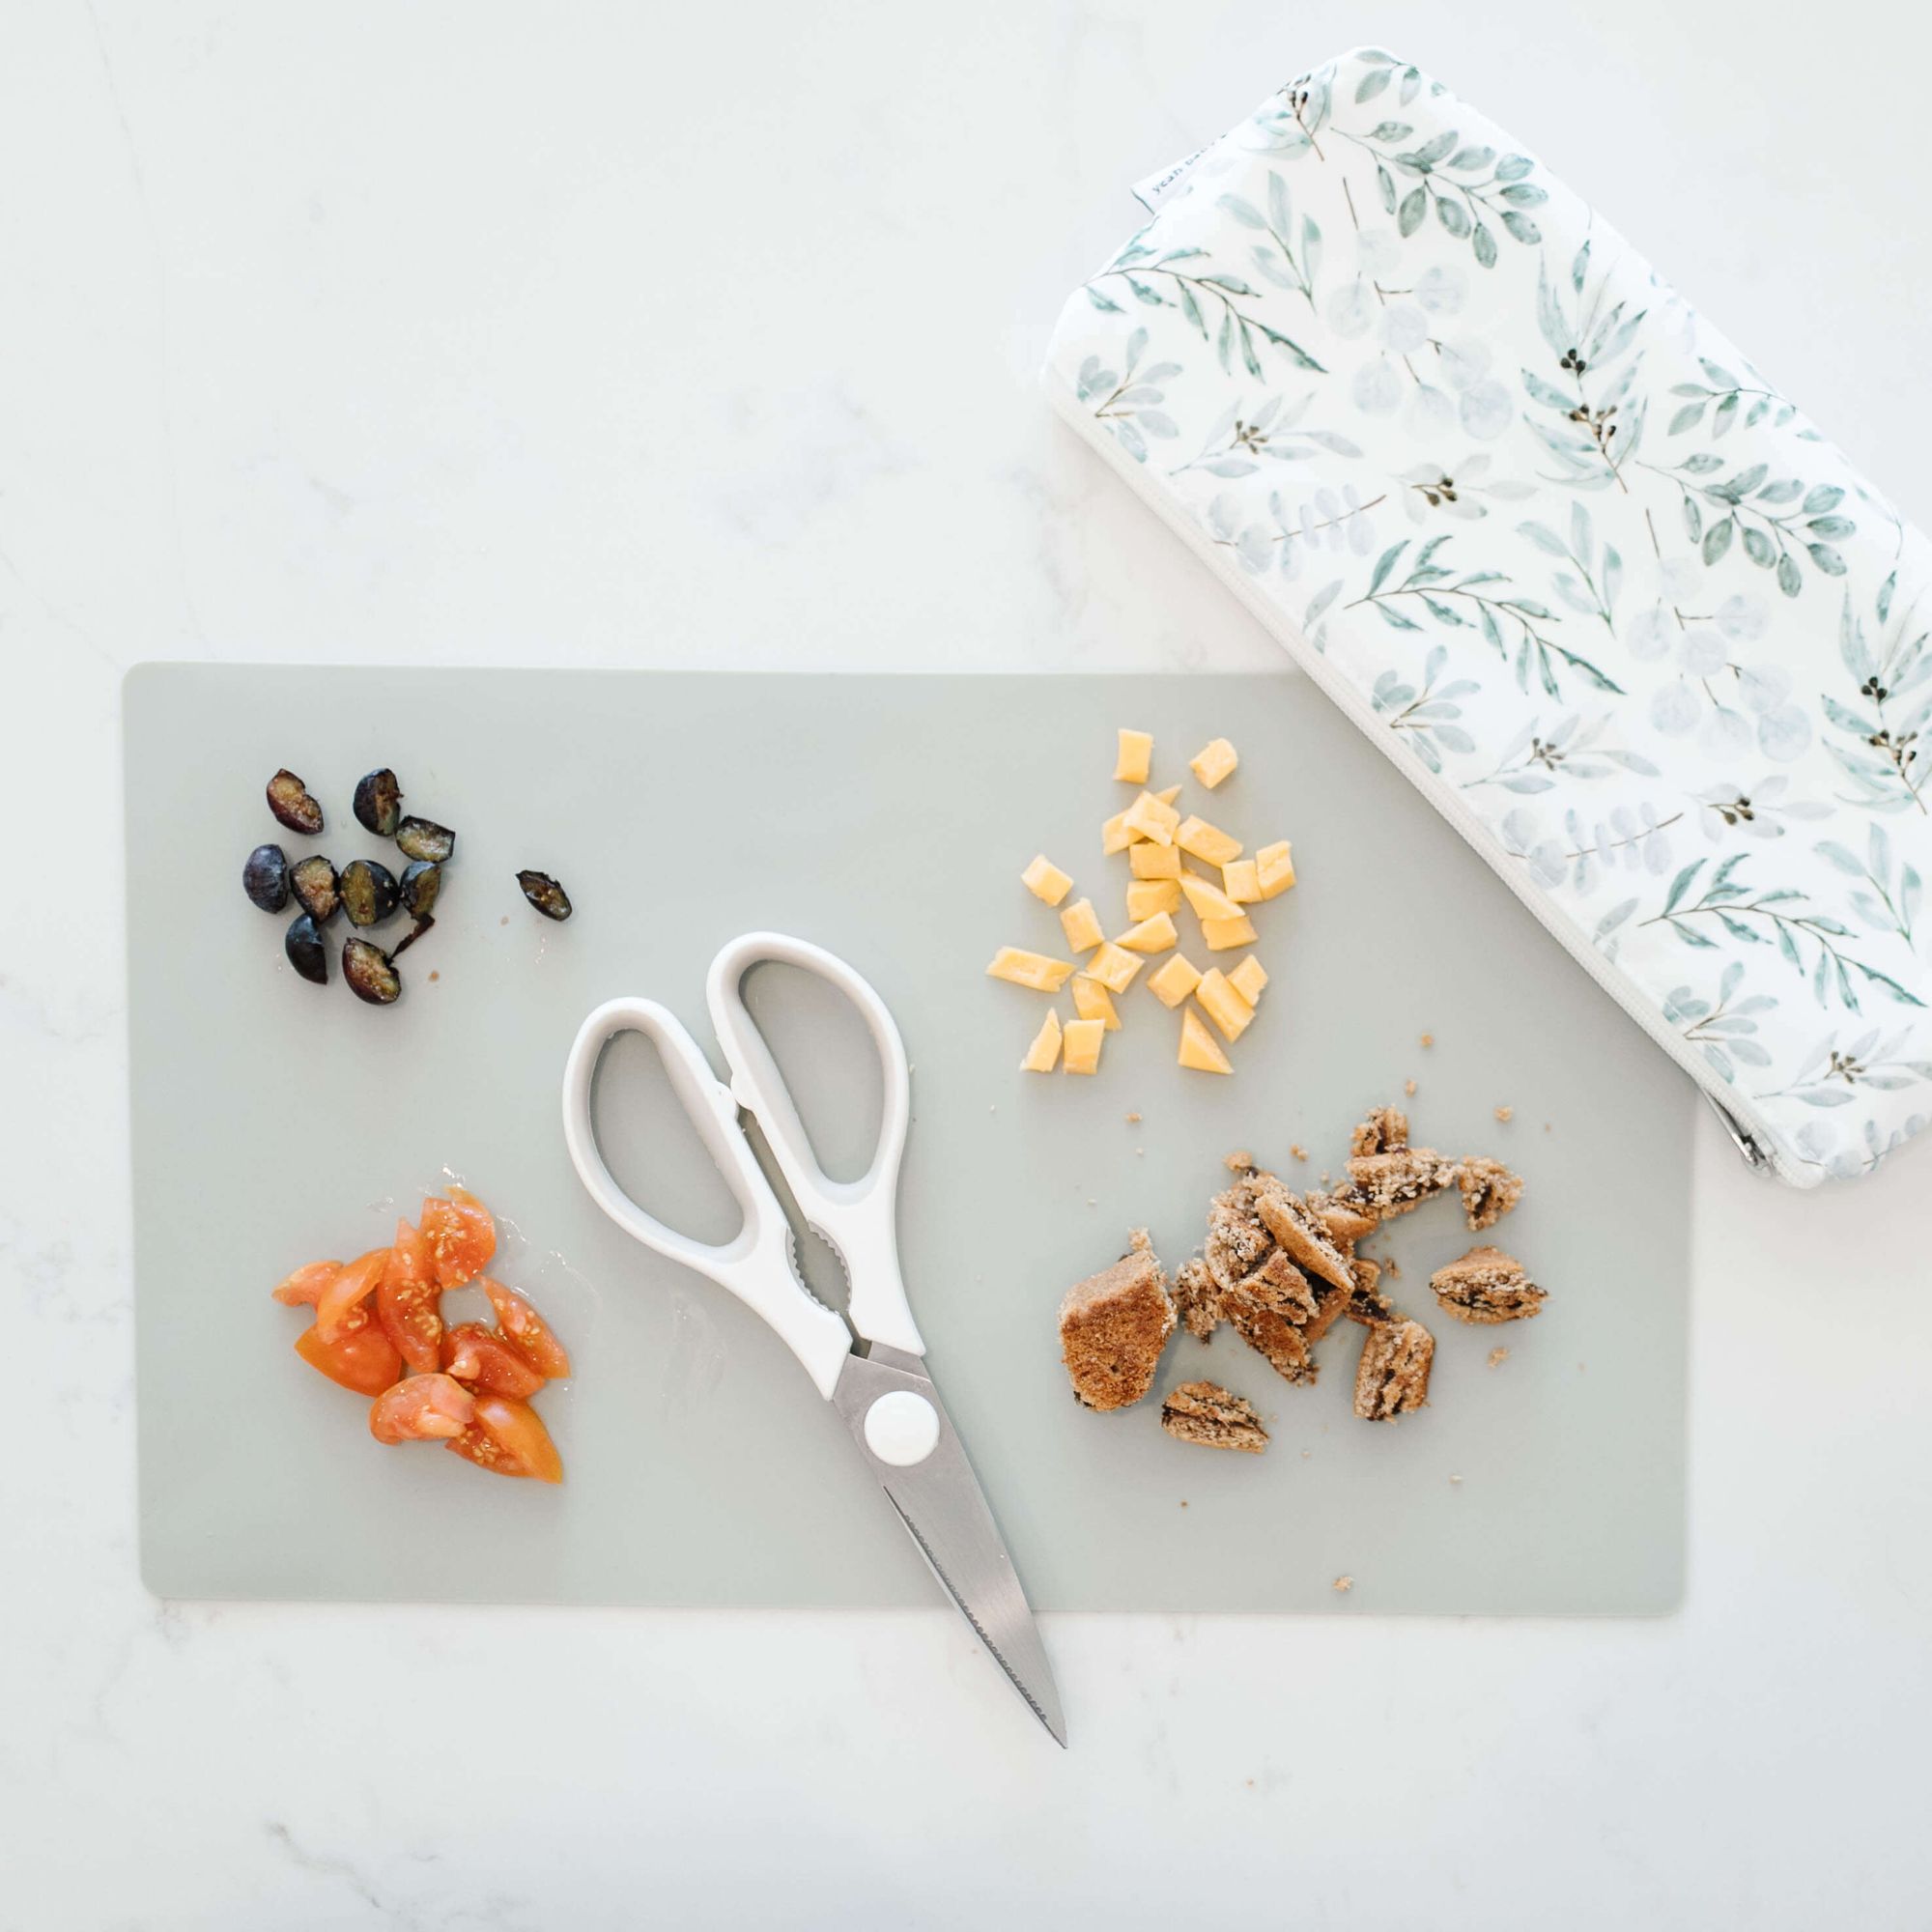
[(871, 1370)]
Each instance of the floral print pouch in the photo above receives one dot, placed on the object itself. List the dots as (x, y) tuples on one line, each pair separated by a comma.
[(1631, 622)]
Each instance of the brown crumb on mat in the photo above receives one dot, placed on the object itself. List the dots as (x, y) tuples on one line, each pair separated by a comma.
[(1237, 1241), (1135, 1118), (1198, 1297), (1342, 1585), (1393, 1378), (1489, 1190), (1215, 1417), (1499, 1356), (1296, 1151), (1428, 1040), (1366, 1303), (1505, 1113), (1408, 1087), (1344, 1222), (1383, 1130), (1391, 1183), (1485, 1287), (1113, 1326)]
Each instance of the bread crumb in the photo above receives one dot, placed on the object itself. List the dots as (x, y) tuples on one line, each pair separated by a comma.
[(1487, 1286), (1134, 1119), (1408, 1087), (1343, 1585), (1113, 1328), (1428, 1040), (1299, 1151), (1505, 1112), (1497, 1357), (1213, 1417), (1393, 1379), (1139, 1151), (1091, 1201), (1183, 1502), (1306, 1454), (439, 975), (1454, 1478), (504, 921), (1392, 1268)]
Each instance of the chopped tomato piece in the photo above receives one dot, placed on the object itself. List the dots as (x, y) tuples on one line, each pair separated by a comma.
[(461, 1235), (360, 1356), (351, 1286), (480, 1356), (508, 1437), (421, 1408), (526, 1330), (303, 1288), (408, 1301)]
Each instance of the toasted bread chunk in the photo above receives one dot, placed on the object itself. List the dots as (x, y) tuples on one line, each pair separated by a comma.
[(1392, 1183), (1489, 1190), (1280, 1342), (1237, 1242), (1215, 1417), (1330, 1305), (1487, 1286), (1113, 1326), (1383, 1130), (1286, 1216), (1343, 1219), (1393, 1378), (1367, 1304), (1198, 1297)]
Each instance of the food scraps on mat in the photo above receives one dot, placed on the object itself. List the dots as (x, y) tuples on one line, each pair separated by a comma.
[(545, 893), (265, 878), (293, 807), (378, 802), (1175, 863), (377, 1329), (1281, 1269)]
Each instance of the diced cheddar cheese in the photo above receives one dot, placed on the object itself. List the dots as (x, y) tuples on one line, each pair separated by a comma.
[(1213, 761), (1154, 862), (1175, 980), (1030, 969), (1044, 880), (1274, 869), (1136, 754), (1083, 1046), (1167, 796), (1112, 967), (1209, 901), (1044, 1051), (1240, 881), (1206, 841), (1081, 925), (1223, 935), (1147, 818), (1199, 1048), (1092, 1001), (1114, 835), (1247, 980), (1222, 1004), (1151, 936), (1148, 897)]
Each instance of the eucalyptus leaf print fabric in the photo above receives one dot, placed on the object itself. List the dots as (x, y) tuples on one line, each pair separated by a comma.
[(1608, 596)]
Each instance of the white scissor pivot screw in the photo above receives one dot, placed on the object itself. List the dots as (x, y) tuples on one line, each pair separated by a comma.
[(902, 1427)]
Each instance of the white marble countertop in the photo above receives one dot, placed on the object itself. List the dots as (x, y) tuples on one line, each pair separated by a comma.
[(596, 335)]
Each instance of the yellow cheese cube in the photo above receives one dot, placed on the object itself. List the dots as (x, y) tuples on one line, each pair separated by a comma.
[(1147, 818), (1114, 968), (1174, 981), (1206, 841), (1209, 901), (1213, 761), (1044, 1051), (1274, 869), (1239, 882), (1154, 862), (1247, 980), (1148, 897), (1044, 880), (1223, 935), (1030, 969), (1151, 936), (1083, 1046), (1135, 754), (1222, 1005), (1198, 1047), (1167, 796), (1092, 1001), (1081, 925), (1114, 835)]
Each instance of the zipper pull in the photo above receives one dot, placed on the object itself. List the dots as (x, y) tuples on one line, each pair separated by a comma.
[(1756, 1155)]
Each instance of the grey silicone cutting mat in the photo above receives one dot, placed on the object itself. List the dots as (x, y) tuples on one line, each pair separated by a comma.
[(887, 818)]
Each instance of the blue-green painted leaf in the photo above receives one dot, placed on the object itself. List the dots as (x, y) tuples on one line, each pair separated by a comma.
[(1513, 168), (1101, 302), (1701, 464), (1385, 563), (1826, 496), (1395, 619), (1432, 150), (1827, 559), (1371, 83), (1724, 416), (1453, 215), (1388, 131), (1718, 540), (1781, 492), (1523, 228), (1414, 206), (1831, 527), (1385, 183), (1759, 549), (1243, 212), (1483, 246), (1471, 160), (1688, 417), (1681, 885), (1885, 596), (1790, 580), (1525, 194)]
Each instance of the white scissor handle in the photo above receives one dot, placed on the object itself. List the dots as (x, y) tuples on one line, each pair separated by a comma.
[(755, 1264), (858, 1217)]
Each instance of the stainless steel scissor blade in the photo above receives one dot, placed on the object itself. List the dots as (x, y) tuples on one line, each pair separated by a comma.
[(946, 1512)]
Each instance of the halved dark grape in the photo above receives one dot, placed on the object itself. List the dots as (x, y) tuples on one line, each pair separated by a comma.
[(410, 938), (317, 889), (290, 802), (424, 838), (379, 802), (420, 883), (265, 878), (369, 894), (370, 973), (302, 942), (545, 893)]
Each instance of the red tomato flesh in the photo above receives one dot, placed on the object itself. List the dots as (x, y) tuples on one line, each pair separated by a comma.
[(526, 1330), (461, 1236), (508, 1437), (421, 1408), (479, 1356), (360, 1356), (303, 1288), (408, 1301), (351, 1286)]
